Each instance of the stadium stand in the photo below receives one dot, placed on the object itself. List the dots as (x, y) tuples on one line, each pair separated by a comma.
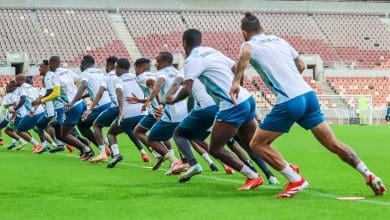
[(358, 40)]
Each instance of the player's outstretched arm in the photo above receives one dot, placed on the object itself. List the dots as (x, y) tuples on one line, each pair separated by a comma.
[(185, 91)]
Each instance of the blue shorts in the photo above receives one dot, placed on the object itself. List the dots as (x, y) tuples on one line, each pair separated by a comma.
[(239, 114), (28, 122), (148, 121), (128, 124), (44, 121), (16, 122), (88, 122), (59, 116), (162, 131), (304, 109), (105, 118), (195, 126), (73, 116), (4, 123)]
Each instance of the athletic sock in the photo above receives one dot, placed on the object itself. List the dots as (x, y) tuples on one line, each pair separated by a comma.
[(172, 151), (142, 151), (248, 172), (102, 150), (250, 165), (171, 157), (115, 149), (155, 154), (21, 141), (105, 140), (363, 169), (87, 149), (34, 142), (207, 158), (13, 141), (290, 174), (45, 144)]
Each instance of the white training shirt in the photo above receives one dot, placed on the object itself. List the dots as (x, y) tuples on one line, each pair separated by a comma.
[(201, 97), (109, 85), (142, 79), (49, 82), (213, 69), (178, 111), (9, 99), (128, 84), (273, 58), (31, 94), (67, 80), (93, 77)]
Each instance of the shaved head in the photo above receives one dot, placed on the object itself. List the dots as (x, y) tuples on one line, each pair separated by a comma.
[(54, 63), (20, 79)]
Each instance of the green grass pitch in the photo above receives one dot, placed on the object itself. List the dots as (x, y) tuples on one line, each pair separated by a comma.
[(59, 186)]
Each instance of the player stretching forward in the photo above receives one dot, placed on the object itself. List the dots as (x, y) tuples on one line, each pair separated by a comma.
[(145, 80), (8, 104), (164, 128), (90, 80), (129, 114), (63, 92), (280, 66), (27, 94), (214, 70)]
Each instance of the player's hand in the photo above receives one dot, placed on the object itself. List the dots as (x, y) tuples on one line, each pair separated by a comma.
[(120, 117), (36, 102), (150, 83), (169, 99), (158, 112), (146, 105), (85, 115), (132, 99), (234, 91)]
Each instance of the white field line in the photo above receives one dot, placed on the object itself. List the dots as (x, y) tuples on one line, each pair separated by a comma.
[(214, 178)]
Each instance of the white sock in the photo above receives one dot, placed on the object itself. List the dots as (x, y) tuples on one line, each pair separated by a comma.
[(142, 151), (45, 144), (33, 142), (155, 154), (363, 169), (21, 141), (13, 141), (171, 157), (105, 140), (87, 149), (290, 174), (248, 172), (207, 158), (102, 149), (115, 149), (171, 151)]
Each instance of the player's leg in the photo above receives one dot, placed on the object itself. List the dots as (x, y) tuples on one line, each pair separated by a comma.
[(163, 131), (128, 125), (113, 131), (42, 124), (104, 119), (326, 137), (243, 137), (72, 118), (25, 124), (202, 148)]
